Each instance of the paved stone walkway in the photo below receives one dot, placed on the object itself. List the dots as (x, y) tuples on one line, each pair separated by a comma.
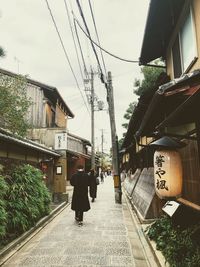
[(109, 237)]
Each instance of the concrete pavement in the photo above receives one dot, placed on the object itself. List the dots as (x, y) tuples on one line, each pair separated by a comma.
[(110, 236)]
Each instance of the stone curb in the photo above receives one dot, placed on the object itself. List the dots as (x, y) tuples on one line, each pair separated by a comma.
[(158, 254), (158, 257), (16, 244)]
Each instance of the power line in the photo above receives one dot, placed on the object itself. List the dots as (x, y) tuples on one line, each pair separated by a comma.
[(92, 13), (77, 55), (87, 29), (109, 53), (65, 52), (69, 20), (79, 43)]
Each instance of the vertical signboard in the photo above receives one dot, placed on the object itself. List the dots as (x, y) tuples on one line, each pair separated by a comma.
[(60, 141)]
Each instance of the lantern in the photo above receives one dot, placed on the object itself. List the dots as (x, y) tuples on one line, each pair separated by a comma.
[(167, 168), (167, 173)]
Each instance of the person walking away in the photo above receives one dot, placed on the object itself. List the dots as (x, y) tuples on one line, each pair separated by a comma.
[(80, 202), (93, 185), (102, 177)]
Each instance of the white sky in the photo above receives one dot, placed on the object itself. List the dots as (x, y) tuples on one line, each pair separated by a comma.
[(33, 48)]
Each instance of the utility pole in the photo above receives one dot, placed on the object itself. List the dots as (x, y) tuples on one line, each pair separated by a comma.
[(115, 161), (92, 121), (102, 140), (94, 103)]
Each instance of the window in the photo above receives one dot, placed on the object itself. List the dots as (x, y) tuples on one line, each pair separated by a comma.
[(184, 47), (176, 58)]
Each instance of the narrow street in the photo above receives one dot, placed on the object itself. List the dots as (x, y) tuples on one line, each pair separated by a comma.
[(109, 237)]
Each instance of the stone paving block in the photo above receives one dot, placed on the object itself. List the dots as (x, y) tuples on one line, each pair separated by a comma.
[(112, 227), (111, 244), (86, 260), (138, 254), (110, 232), (46, 251), (86, 250), (116, 238), (133, 235), (122, 261), (141, 263), (40, 260), (118, 251), (107, 238)]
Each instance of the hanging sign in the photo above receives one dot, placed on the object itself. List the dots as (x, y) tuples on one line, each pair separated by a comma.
[(60, 141), (167, 173)]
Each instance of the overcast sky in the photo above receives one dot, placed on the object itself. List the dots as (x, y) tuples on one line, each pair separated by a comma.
[(33, 48)]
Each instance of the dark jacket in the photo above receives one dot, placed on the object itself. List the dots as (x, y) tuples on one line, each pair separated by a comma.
[(93, 185), (80, 201)]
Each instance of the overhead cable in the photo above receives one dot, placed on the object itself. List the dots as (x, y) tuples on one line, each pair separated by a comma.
[(77, 55), (79, 44), (88, 32), (65, 52), (109, 53), (92, 13), (69, 20)]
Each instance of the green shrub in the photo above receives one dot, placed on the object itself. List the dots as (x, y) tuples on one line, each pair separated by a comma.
[(3, 213), (28, 199), (177, 245)]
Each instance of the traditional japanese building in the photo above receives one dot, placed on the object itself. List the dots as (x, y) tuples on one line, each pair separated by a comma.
[(172, 109)]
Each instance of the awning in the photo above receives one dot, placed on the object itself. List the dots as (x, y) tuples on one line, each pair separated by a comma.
[(175, 103), (186, 112)]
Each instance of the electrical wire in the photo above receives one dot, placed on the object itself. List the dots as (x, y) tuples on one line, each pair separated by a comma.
[(92, 13), (87, 29), (81, 51), (66, 55), (77, 55), (69, 20), (109, 53)]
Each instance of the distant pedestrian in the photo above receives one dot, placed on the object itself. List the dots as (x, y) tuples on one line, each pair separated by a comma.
[(102, 177), (80, 201), (93, 185)]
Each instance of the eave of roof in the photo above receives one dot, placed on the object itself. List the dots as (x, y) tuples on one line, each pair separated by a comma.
[(87, 142), (177, 93), (161, 20), (4, 135), (78, 154), (140, 110), (43, 86)]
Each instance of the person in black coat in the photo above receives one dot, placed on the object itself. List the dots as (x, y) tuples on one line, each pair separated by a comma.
[(80, 202), (93, 185)]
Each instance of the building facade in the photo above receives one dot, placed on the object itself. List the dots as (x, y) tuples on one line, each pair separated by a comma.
[(172, 109)]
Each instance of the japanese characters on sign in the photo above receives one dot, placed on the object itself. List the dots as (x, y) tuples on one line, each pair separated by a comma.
[(60, 141), (160, 172), (167, 173)]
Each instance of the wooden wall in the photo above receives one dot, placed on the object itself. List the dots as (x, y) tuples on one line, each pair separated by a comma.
[(35, 115), (60, 117), (191, 172)]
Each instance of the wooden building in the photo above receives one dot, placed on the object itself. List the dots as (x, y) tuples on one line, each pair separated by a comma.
[(77, 154), (172, 109), (48, 116), (17, 150)]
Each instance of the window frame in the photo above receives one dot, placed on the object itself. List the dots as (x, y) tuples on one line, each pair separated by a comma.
[(189, 12)]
